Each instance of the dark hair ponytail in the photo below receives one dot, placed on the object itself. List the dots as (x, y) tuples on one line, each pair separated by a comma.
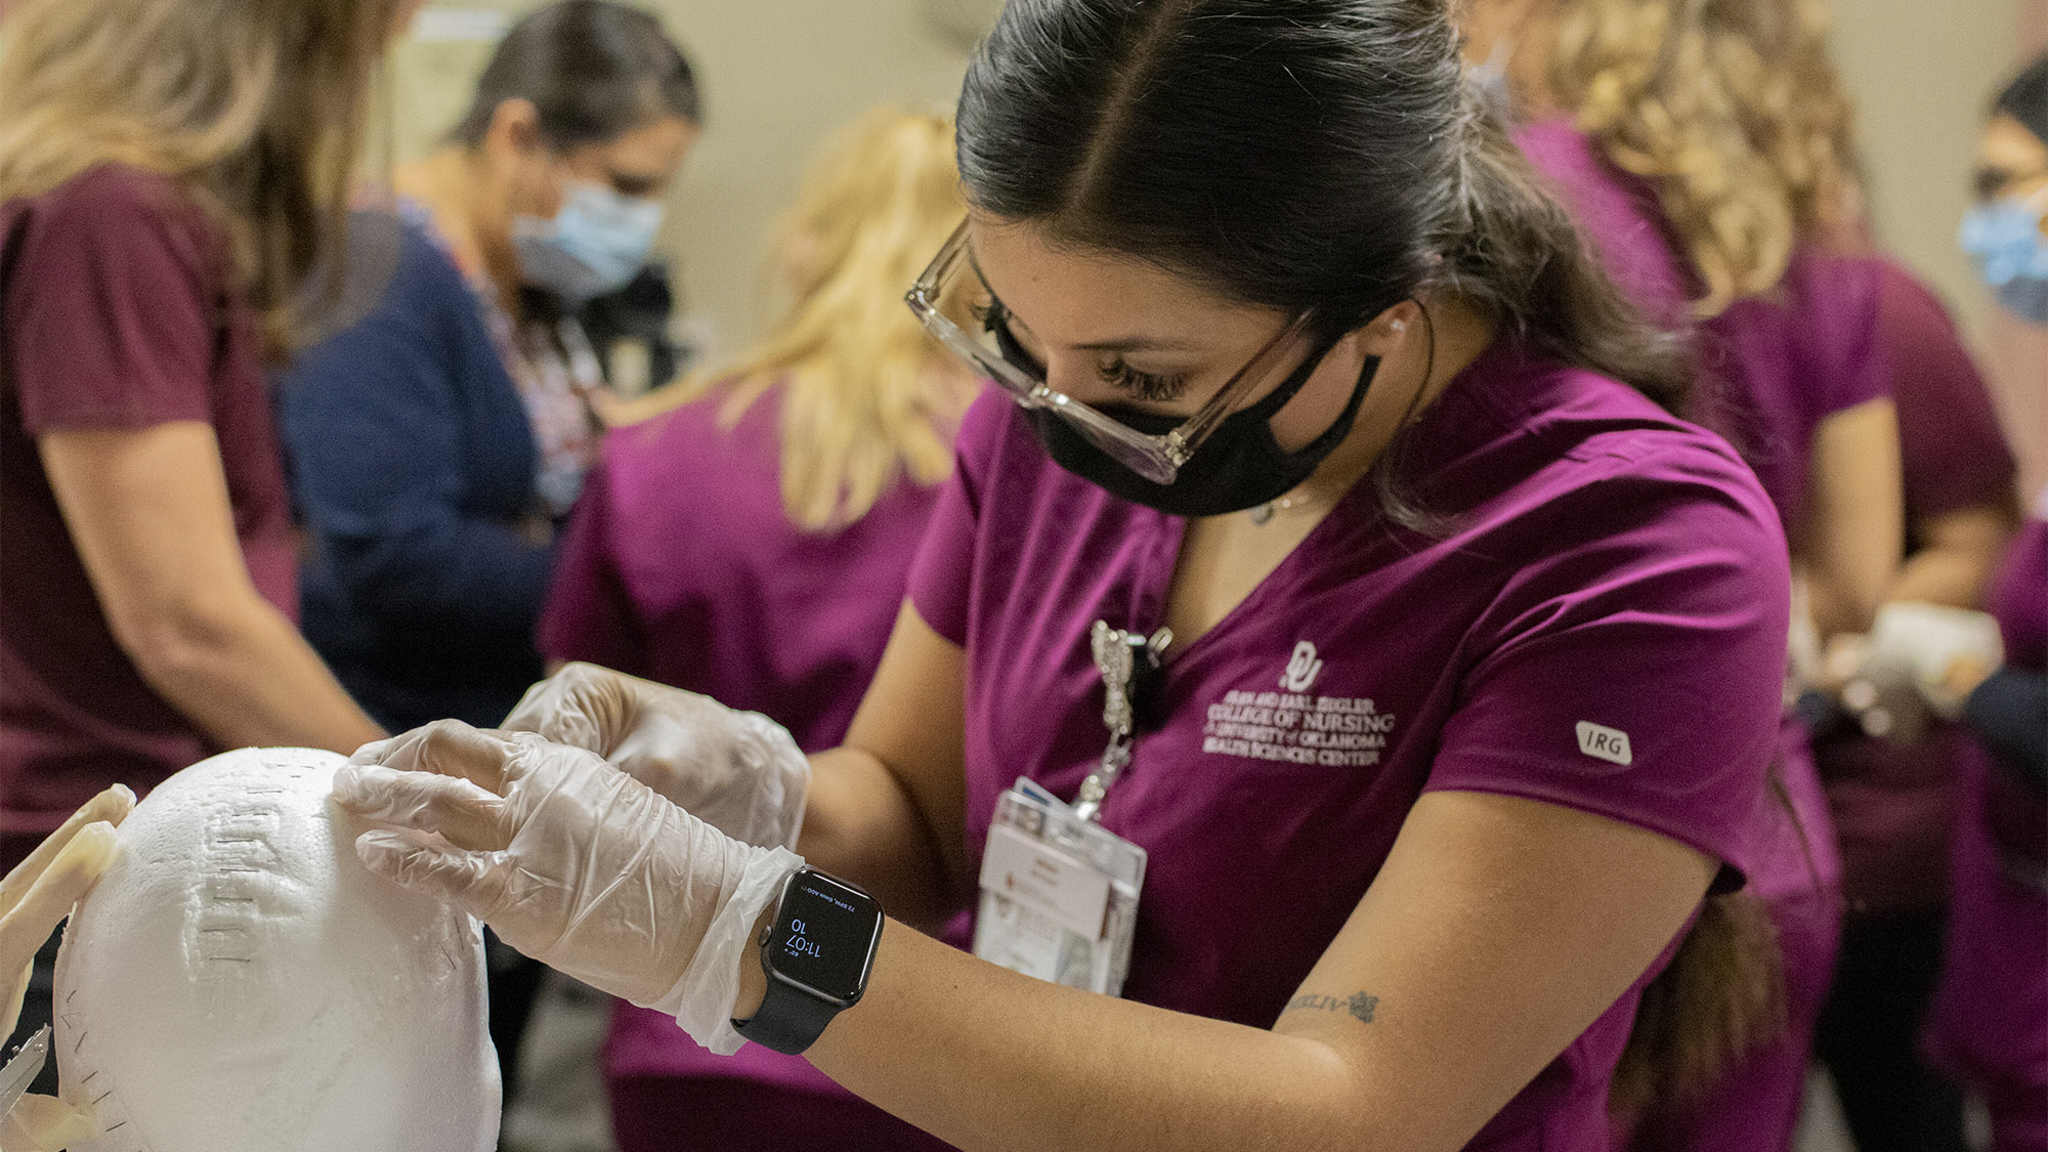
[(1721, 998), (594, 69)]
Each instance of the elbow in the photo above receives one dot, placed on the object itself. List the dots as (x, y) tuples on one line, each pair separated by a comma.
[(182, 641)]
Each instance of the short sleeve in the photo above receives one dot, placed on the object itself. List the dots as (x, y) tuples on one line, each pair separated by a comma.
[(111, 309), (941, 574), (1953, 453), (1838, 331), (589, 614), (1635, 672)]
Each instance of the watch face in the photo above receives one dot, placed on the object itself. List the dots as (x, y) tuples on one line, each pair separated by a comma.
[(825, 935)]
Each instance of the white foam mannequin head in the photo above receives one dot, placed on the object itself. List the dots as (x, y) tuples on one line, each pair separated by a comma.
[(238, 982)]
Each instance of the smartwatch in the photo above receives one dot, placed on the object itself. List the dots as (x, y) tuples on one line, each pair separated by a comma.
[(817, 955)]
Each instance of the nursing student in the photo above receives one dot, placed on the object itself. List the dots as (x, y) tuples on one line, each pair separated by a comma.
[(1708, 154), (1443, 663), (1990, 1020)]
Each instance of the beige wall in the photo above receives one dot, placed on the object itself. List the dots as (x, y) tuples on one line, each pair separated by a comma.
[(777, 77), (1922, 75)]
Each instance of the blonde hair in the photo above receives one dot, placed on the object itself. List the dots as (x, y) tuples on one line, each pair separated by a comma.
[(255, 108), (867, 398), (1731, 108)]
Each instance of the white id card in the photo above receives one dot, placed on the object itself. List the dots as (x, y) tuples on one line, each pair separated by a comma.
[(1059, 895)]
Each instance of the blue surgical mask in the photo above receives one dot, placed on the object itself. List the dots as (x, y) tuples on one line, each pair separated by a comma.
[(2005, 237), (594, 245)]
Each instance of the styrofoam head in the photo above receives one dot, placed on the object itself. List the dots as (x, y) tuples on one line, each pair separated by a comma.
[(238, 982)]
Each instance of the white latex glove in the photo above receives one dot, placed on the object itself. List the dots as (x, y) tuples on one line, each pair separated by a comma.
[(739, 771), (36, 895), (573, 862), (1945, 651)]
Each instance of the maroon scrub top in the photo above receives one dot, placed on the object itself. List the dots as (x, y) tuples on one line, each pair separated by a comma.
[(1989, 1020), (1597, 622), (680, 565), (118, 314), (1893, 801)]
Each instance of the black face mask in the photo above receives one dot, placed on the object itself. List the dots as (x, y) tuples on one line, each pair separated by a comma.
[(1239, 466)]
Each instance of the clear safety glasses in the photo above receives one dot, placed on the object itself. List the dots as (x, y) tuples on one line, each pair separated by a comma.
[(956, 306)]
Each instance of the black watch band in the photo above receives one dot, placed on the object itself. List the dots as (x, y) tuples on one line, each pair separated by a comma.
[(816, 955), (787, 1021)]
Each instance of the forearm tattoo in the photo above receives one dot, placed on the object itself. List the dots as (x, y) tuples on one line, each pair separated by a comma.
[(1358, 1004)]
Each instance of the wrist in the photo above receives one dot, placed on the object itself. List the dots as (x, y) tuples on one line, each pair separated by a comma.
[(704, 998), (815, 958), (753, 975)]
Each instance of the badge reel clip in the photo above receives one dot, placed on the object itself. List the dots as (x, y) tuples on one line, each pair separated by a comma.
[(1059, 892)]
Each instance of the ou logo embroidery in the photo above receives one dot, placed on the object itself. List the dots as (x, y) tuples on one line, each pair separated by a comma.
[(1302, 668)]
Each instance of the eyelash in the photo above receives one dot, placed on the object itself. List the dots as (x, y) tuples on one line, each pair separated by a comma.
[(994, 318), (1143, 385)]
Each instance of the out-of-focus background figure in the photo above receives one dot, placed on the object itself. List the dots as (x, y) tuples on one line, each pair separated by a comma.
[(1889, 760), (439, 432), (1707, 146), (437, 439), (1991, 1014), (752, 538), (171, 174)]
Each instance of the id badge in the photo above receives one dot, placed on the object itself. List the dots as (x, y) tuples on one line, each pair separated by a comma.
[(1059, 894)]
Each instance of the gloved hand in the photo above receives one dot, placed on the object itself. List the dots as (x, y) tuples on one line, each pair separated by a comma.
[(34, 898), (572, 862), (739, 771), (1946, 651)]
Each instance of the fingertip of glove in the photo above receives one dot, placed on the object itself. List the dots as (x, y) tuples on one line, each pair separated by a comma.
[(380, 848), (113, 804), (359, 787)]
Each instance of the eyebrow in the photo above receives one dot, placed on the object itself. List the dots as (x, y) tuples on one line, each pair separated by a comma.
[(1120, 344)]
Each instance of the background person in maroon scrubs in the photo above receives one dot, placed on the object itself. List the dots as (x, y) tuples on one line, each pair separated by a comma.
[(1708, 155), (152, 244), (1893, 795), (1991, 1013), (754, 541)]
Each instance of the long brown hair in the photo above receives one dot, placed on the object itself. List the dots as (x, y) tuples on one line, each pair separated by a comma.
[(1721, 997), (867, 398), (255, 108)]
